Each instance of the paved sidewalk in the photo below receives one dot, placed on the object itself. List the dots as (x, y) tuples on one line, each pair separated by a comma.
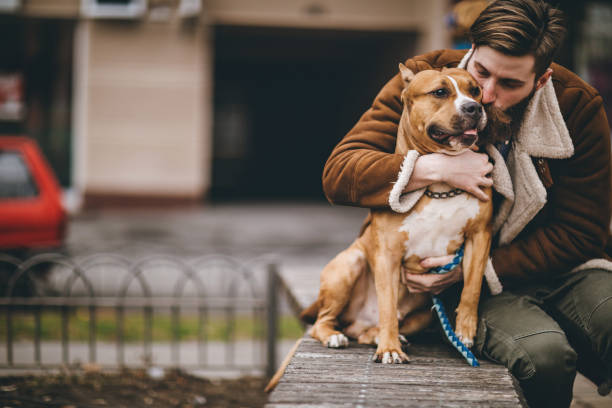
[(302, 236), (291, 231)]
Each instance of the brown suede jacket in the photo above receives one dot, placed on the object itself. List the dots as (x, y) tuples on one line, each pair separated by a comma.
[(570, 229)]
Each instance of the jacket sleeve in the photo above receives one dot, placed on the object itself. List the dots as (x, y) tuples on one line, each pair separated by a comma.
[(362, 168), (573, 227)]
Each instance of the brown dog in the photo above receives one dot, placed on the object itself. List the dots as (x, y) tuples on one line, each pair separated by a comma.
[(361, 295)]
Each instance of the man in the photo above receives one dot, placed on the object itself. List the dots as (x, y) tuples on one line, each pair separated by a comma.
[(552, 182)]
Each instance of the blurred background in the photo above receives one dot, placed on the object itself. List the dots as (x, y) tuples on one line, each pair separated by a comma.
[(190, 128), (188, 101)]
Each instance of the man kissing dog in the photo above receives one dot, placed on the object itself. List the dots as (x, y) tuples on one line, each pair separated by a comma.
[(551, 248)]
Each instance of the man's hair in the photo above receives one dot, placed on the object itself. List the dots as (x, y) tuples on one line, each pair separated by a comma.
[(521, 27)]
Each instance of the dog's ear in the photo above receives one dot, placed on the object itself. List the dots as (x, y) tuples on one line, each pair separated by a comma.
[(406, 73)]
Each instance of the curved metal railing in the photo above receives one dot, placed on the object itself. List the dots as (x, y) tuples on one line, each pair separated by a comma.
[(211, 285)]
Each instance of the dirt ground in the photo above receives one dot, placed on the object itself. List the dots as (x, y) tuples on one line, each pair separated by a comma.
[(130, 388)]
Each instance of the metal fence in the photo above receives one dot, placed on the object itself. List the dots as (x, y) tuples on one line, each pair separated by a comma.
[(220, 296)]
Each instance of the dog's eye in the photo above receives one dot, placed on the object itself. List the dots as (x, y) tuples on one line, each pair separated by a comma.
[(440, 93), (475, 91)]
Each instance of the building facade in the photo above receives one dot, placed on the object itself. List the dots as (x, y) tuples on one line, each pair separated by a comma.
[(174, 101)]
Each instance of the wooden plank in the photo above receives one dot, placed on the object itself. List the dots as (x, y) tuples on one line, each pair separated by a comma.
[(321, 377)]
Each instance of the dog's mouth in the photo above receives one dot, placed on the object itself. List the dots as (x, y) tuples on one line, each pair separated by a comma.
[(465, 138)]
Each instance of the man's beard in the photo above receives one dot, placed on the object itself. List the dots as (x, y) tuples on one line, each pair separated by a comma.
[(503, 125)]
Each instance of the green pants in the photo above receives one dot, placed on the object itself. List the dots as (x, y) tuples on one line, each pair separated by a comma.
[(543, 333)]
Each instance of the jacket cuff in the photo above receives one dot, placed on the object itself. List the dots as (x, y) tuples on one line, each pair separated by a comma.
[(403, 202), (492, 279)]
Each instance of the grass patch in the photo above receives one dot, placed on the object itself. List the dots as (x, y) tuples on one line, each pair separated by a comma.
[(215, 327)]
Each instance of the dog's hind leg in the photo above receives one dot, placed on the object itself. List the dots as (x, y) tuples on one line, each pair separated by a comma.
[(369, 336), (337, 281), (415, 322)]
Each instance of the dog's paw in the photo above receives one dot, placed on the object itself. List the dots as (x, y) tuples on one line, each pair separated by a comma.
[(466, 328), (390, 356), (337, 341), (466, 338), (467, 342)]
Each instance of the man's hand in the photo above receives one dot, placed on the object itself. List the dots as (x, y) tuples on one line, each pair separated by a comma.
[(468, 171), (434, 283)]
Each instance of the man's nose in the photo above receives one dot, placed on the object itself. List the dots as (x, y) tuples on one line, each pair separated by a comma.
[(488, 92)]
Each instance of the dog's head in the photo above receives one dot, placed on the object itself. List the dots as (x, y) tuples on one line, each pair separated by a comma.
[(442, 111)]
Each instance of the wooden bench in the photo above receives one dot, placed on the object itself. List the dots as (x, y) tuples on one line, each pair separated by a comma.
[(437, 375)]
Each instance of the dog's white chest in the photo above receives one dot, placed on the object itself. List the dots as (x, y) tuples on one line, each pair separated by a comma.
[(442, 221)]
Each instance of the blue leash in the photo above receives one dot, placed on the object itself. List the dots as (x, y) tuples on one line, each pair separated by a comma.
[(439, 308)]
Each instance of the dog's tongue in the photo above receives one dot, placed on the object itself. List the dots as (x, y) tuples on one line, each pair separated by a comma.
[(471, 132)]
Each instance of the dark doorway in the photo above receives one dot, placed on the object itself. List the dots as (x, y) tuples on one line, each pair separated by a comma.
[(36, 66), (285, 97)]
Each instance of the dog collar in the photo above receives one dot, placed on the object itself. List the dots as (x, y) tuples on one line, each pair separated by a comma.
[(443, 194)]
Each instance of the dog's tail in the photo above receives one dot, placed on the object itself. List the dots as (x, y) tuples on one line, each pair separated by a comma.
[(309, 315), (281, 370)]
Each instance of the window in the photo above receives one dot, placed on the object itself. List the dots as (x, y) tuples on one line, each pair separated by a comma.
[(15, 177), (113, 8), (9, 5)]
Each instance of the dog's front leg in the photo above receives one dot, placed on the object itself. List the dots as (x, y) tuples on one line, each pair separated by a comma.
[(477, 248), (387, 281)]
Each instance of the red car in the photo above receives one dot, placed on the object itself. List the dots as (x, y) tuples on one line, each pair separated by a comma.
[(31, 212)]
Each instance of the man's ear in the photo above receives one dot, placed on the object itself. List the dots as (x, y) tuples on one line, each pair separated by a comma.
[(406, 73), (543, 79)]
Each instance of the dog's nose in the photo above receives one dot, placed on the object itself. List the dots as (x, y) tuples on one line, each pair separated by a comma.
[(472, 110)]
